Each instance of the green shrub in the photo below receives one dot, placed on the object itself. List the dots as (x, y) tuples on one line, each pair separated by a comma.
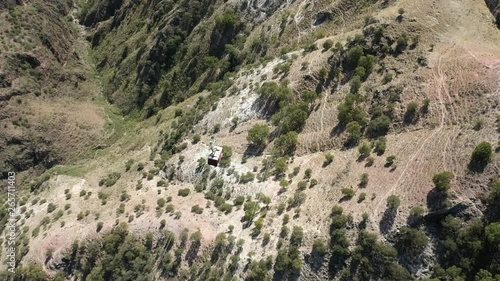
[(411, 242), (196, 139), (51, 207), (319, 248), (196, 209), (481, 156), (239, 200), (248, 177), (328, 44), (286, 144), (128, 164), (184, 192), (364, 150), (361, 197), (280, 166), (347, 192), (390, 160), (99, 226), (354, 130), (442, 181), (393, 202), (302, 185), (363, 181), (258, 135), (417, 212), (355, 84), (110, 179), (380, 145), (328, 159), (412, 113), (308, 173), (378, 127)]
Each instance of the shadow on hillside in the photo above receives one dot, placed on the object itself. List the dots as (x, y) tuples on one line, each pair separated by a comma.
[(192, 253), (387, 221)]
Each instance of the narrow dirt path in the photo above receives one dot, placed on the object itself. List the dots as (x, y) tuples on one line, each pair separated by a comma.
[(440, 79)]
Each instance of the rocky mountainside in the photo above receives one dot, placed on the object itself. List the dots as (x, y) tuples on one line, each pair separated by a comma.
[(360, 139)]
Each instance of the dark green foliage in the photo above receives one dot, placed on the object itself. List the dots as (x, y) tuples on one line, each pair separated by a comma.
[(347, 192), (251, 208), (184, 192), (291, 117), (279, 95), (259, 270), (51, 207), (110, 179), (280, 166), (286, 144), (354, 55), (308, 173), (350, 110), (119, 257), (378, 127), (412, 113), (390, 160), (442, 181), (196, 209), (354, 131), (319, 248), (355, 84), (258, 135), (328, 44), (364, 150), (374, 260), (481, 156), (379, 145), (297, 236), (393, 202), (239, 200), (227, 152), (493, 234), (411, 242)]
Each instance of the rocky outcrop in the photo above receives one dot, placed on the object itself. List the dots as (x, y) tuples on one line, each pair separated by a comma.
[(494, 6)]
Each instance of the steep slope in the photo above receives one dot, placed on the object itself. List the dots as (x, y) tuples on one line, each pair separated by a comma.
[(46, 88), (357, 132)]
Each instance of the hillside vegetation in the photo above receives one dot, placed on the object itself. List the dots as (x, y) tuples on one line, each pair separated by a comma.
[(360, 139)]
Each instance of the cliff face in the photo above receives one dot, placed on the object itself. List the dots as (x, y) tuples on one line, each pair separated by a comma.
[(494, 6)]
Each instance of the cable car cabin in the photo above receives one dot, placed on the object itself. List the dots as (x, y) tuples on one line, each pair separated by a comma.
[(215, 156)]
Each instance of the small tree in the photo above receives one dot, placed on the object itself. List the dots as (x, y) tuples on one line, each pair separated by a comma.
[(328, 159), (380, 145), (481, 156), (393, 202), (364, 150), (327, 44), (355, 84), (258, 135), (286, 144), (363, 181), (442, 181), (319, 248), (411, 114), (354, 130), (280, 166)]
